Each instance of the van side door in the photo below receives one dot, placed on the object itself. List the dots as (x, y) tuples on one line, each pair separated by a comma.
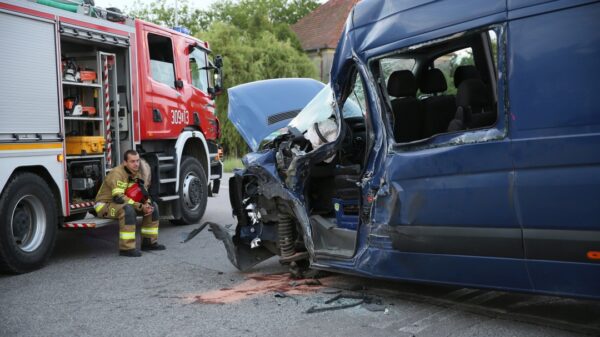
[(448, 204)]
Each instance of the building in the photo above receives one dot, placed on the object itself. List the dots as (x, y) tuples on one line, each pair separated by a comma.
[(320, 31)]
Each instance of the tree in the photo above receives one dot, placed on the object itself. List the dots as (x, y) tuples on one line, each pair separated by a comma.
[(253, 36), (251, 58), (163, 14)]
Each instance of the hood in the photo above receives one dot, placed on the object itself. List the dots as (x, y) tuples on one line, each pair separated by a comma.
[(257, 109)]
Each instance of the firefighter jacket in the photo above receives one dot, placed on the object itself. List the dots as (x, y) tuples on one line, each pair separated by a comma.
[(115, 184)]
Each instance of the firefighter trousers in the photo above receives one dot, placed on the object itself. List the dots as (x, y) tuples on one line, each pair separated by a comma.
[(127, 222)]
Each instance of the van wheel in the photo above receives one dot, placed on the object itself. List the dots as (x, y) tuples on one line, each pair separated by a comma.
[(28, 223), (193, 191)]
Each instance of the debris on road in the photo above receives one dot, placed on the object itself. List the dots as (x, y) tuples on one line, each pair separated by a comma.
[(195, 232), (279, 294)]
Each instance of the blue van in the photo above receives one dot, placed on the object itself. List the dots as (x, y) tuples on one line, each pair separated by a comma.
[(458, 142)]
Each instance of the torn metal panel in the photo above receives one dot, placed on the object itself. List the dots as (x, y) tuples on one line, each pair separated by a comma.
[(241, 256)]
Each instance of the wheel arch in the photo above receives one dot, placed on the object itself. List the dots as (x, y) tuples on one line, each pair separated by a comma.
[(192, 143), (42, 172)]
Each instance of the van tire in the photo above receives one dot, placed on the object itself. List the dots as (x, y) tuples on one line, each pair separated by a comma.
[(28, 224), (193, 192)]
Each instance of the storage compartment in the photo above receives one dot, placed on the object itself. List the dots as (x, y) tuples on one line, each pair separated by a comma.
[(84, 145), (85, 177)]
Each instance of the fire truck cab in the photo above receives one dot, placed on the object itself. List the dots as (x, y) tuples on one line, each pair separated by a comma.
[(80, 86)]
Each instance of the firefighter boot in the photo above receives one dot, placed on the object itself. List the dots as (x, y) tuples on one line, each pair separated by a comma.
[(127, 241), (127, 232), (150, 231), (147, 244), (150, 236)]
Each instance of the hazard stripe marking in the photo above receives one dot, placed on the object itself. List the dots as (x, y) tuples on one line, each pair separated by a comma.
[(79, 225)]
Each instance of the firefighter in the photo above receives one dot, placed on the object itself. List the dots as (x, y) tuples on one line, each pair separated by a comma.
[(123, 196)]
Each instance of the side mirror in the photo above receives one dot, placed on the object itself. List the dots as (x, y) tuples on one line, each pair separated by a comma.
[(219, 61), (217, 68), (218, 81)]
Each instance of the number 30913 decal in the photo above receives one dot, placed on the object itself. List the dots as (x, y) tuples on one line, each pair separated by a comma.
[(180, 117)]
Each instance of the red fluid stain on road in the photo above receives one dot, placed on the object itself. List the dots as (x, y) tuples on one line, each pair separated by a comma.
[(259, 284)]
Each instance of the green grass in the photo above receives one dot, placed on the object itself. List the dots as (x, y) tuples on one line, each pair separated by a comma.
[(231, 163)]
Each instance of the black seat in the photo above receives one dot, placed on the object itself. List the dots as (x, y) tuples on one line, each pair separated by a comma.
[(439, 109), (467, 72), (408, 119), (475, 106)]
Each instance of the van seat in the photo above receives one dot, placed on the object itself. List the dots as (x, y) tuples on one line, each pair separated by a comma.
[(465, 73), (439, 109), (475, 106), (408, 119)]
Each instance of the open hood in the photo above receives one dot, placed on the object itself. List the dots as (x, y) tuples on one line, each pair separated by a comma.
[(258, 109)]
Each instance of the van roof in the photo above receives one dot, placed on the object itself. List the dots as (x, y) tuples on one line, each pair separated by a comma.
[(377, 27)]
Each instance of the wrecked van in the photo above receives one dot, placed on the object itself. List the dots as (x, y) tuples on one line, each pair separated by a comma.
[(458, 142)]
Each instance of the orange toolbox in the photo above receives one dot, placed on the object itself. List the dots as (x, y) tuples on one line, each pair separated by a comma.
[(84, 145)]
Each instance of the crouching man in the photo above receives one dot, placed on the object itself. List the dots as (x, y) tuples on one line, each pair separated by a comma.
[(123, 196)]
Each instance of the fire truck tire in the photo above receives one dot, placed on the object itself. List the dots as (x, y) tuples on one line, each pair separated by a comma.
[(193, 191), (28, 224)]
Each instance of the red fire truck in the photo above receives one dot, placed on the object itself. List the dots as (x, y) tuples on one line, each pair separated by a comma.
[(79, 86)]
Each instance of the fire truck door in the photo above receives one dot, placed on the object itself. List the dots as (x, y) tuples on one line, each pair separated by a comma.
[(168, 109), (200, 104)]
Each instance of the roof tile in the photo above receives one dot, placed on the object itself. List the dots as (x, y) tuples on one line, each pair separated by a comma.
[(322, 27)]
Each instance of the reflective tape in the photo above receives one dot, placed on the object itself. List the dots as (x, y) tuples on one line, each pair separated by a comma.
[(99, 206), (127, 235), (150, 230), (121, 184), (116, 191), (130, 201)]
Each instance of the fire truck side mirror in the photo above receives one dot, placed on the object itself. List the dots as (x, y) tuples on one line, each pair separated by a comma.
[(219, 61), (218, 74)]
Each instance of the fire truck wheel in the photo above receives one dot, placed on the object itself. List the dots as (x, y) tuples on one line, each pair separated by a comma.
[(193, 191), (28, 224)]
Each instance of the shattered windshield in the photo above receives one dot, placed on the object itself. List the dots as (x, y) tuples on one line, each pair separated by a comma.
[(318, 110)]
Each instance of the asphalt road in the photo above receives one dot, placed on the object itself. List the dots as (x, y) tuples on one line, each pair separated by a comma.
[(88, 290)]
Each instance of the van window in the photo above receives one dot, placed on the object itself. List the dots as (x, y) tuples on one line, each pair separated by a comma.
[(448, 64), (389, 65), (443, 87), (162, 67), (198, 71)]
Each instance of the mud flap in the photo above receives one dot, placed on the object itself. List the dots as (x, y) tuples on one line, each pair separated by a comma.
[(241, 256)]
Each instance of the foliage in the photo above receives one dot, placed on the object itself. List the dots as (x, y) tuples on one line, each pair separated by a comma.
[(162, 13), (231, 163), (253, 36), (251, 58), (254, 15)]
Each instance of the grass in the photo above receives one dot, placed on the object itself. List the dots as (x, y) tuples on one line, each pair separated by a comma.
[(231, 163)]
